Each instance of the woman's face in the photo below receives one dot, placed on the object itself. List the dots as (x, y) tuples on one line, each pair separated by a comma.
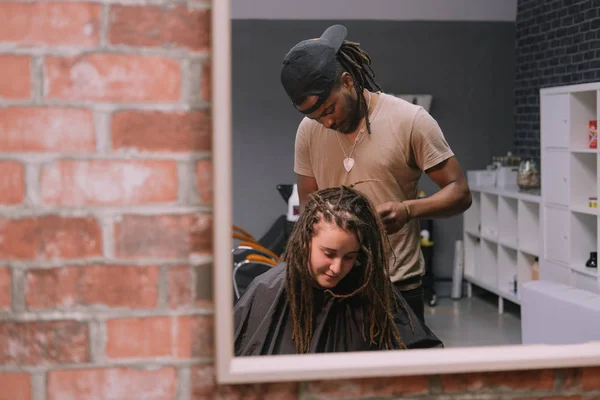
[(333, 252)]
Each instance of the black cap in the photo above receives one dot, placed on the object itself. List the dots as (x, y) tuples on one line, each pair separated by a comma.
[(309, 68)]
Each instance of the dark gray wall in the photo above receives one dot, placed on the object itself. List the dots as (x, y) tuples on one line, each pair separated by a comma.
[(557, 43), (468, 67)]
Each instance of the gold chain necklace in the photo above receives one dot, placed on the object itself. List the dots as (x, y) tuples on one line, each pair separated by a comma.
[(348, 160)]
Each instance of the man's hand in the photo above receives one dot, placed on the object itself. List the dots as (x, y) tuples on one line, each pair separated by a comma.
[(393, 215)]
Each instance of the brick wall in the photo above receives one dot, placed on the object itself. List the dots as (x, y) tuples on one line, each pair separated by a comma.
[(105, 216), (557, 43)]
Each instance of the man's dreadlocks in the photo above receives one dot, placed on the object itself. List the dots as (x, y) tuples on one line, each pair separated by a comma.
[(357, 63), (353, 212)]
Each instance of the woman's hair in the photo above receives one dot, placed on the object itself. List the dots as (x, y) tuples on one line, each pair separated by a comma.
[(352, 211)]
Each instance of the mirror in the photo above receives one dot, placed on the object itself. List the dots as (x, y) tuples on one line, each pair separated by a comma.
[(444, 68)]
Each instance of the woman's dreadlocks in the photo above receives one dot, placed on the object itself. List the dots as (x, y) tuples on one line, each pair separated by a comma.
[(353, 212), (357, 63)]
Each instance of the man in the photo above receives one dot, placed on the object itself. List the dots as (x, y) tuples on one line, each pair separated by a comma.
[(353, 131)]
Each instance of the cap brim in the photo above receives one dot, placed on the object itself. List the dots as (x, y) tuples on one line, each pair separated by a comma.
[(335, 35)]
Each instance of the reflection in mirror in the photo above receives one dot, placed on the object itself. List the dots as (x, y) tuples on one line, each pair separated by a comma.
[(382, 120)]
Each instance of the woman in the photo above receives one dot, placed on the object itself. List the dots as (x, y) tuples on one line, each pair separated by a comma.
[(332, 292)]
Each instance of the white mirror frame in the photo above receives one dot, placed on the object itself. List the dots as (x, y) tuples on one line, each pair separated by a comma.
[(279, 368)]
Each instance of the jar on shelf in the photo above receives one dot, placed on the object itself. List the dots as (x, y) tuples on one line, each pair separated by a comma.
[(528, 176)]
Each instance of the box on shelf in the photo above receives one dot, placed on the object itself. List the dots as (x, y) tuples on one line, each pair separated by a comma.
[(482, 178), (506, 177)]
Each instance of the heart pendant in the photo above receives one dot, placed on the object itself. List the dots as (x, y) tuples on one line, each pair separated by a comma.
[(348, 163)]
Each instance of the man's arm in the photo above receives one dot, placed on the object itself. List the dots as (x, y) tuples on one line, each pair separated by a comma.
[(306, 185), (454, 196)]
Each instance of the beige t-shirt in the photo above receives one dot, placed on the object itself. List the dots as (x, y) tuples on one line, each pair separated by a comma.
[(404, 141)]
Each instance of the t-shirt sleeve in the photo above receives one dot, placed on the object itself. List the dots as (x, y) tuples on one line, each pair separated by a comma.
[(302, 164), (428, 143)]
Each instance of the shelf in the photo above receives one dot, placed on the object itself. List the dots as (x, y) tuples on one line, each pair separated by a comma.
[(529, 227), (472, 217), (570, 176), (586, 281), (525, 263), (555, 272), (583, 270), (489, 216), (584, 239), (512, 192), (507, 269), (583, 168), (507, 221), (472, 254), (493, 289), (583, 150), (583, 109), (486, 271), (583, 209)]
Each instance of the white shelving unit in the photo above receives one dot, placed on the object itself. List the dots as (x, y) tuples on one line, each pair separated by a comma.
[(570, 175), (501, 240)]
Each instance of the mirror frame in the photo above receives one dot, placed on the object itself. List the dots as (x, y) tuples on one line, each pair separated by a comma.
[(232, 370)]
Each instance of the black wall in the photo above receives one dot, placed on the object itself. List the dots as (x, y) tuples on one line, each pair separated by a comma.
[(557, 43)]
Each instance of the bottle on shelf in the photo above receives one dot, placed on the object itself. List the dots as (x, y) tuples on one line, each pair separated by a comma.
[(293, 212), (535, 270), (592, 262)]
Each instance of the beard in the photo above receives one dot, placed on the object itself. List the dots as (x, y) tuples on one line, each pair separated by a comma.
[(354, 115)]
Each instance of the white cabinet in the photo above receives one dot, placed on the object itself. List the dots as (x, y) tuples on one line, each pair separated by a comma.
[(502, 241), (557, 234), (554, 120), (569, 179), (555, 177)]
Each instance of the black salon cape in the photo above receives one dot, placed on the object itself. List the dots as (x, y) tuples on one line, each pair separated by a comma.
[(263, 323)]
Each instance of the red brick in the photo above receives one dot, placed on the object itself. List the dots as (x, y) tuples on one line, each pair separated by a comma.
[(107, 285), (12, 182), (15, 386), (557, 397), (204, 387), (15, 76), (43, 343), (112, 383), (139, 337), (49, 237), (179, 337), (203, 382), (180, 286), (5, 289), (204, 180), (156, 131), (590, 378), (195, 337), (206, 81), (569, 378), (104, 182), (513, 380), (40, 129), (46, 23), (159, 26), (113, 77), (396, 386), (171, 236), (204, 286)]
